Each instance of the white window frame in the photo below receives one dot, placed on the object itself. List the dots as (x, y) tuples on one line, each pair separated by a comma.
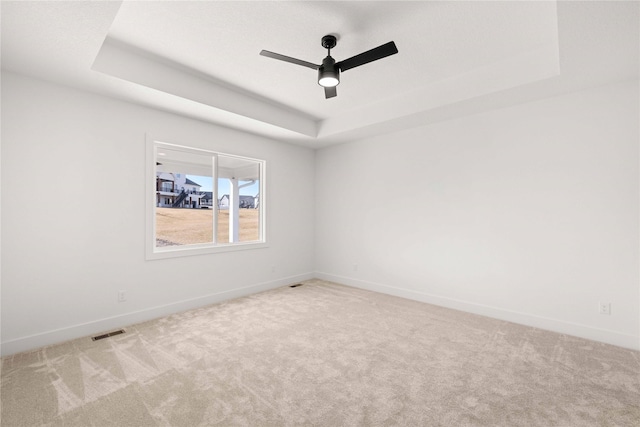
[(152, 251)]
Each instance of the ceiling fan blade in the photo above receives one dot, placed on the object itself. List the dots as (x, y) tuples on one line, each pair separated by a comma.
[(374, 54), (289, 59), (330, 92)]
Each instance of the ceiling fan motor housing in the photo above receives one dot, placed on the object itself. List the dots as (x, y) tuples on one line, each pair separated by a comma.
[(328, 73)]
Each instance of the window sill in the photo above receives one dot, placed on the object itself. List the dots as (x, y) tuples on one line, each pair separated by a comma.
[(193, 250)]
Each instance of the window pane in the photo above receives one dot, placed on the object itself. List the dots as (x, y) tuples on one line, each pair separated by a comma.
[(250, 211), (184, 195), (238, 200)]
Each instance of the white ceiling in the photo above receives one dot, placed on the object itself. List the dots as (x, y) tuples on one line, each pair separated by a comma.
[(201, 59)]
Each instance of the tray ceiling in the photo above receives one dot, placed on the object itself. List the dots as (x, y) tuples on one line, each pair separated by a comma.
[(201, 59)]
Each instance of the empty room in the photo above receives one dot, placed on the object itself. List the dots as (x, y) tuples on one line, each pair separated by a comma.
[(320, 213)]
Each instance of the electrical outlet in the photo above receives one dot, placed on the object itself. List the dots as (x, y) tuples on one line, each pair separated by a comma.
[(605, 308), (273, 268), (122, 296), (355, 267)]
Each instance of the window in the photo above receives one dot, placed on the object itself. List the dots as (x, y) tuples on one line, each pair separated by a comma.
[(201, 201)]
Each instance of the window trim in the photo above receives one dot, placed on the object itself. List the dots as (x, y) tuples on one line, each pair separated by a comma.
[(154, 253)]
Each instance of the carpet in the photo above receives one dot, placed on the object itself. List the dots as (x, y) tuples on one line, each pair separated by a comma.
[(323, 354)]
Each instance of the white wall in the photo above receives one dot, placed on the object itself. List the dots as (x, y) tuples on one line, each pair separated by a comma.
[(73, 219), (528, 213)]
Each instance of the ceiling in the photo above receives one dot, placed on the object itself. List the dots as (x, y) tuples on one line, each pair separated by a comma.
[(201, 59)]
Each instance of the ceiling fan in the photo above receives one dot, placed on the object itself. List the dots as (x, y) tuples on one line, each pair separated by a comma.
[(329, 71)]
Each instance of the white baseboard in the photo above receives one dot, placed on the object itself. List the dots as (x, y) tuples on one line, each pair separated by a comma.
[(574, 329), (92, 328)]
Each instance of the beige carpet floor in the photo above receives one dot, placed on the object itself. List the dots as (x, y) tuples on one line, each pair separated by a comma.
[(324, 355)]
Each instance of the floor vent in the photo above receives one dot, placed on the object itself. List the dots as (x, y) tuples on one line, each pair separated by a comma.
[(107, 335), (296, 285)]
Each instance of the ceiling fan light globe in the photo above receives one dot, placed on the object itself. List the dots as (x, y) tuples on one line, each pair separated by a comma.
[(328, 81)]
